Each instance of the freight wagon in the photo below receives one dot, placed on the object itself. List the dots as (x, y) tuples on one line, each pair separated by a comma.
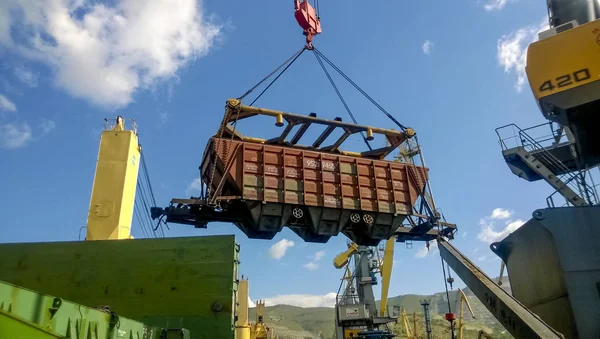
[(318, 191)]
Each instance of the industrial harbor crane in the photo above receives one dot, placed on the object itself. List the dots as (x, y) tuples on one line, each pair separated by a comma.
[(356, 312)]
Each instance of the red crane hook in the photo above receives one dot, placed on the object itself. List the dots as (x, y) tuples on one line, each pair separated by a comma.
[(307, 19)]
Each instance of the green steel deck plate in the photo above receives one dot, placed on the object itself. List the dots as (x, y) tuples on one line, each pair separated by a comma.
[(27, 314), (171, 282)]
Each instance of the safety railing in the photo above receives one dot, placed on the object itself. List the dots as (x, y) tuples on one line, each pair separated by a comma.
[(127, 124), (540, 144)]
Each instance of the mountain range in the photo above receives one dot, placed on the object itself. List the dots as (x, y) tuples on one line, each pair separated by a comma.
[(292, 322)]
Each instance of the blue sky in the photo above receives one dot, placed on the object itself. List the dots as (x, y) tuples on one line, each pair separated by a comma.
[(451, 70)]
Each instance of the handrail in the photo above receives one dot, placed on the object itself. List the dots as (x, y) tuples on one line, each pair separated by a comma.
[(530, 144)]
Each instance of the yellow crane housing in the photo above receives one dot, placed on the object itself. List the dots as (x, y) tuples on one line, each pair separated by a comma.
[(113, 192)]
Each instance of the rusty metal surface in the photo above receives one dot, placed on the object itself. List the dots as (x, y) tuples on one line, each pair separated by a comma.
[(270, 173), (236, 111), (514, 316), (553, 264)]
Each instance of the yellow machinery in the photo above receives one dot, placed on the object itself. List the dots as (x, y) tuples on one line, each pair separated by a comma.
[(243, 328), (242, 324), (259, 330), (113, 192), (463, 300), (563, 69), (410, 333), (386, 273)]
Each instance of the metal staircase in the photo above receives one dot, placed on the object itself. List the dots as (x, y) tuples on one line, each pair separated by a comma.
[(547, 157)]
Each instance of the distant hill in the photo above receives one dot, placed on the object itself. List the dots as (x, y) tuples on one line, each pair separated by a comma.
[(291, 322)]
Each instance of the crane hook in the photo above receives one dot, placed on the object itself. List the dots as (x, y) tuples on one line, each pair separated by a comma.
[(308, 20)]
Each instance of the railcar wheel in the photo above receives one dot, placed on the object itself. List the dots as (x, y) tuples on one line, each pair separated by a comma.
[(297, 212)]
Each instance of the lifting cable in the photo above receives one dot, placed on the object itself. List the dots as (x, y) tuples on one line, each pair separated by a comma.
[(138, 218), (317, 9), (447, 293), (148, 182), (292, 58), (143, 200), (341, 97), (402, 127)]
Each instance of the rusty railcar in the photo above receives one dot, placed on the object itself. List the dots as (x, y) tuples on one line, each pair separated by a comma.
[(318, 191)]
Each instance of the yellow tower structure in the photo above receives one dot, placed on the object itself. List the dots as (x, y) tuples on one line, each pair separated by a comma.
[(242, 324), (259, 329), (113, 192)]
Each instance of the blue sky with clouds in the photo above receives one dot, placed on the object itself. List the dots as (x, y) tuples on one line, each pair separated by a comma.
[(451, 70)]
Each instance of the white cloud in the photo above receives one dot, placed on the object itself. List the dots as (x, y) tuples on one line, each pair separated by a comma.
[(303, 300), (13, 136), (251, 303), (277, 251), (6, 104), (489, 234), (500, 213), (26, 76), (47, 126), (512, 50), (427, 47), (496, 5), (318, 255), (163, 116), (311, 266), (423, 252), (482, 258), (465, 234), (194, 187), (106, 52)]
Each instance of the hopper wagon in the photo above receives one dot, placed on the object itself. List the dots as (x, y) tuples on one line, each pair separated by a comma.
[(316, 190)]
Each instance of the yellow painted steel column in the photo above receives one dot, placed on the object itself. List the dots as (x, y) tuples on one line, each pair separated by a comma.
[(386, 273), (113, 192), (242, 325)]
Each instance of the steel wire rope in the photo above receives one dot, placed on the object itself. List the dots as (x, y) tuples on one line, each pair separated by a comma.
[(295, 55), (139, 219), (402, 127), (280, 74), (143, 198), (146, 206), (146, 178), (143, 206), (447, 293), (340, 96)]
